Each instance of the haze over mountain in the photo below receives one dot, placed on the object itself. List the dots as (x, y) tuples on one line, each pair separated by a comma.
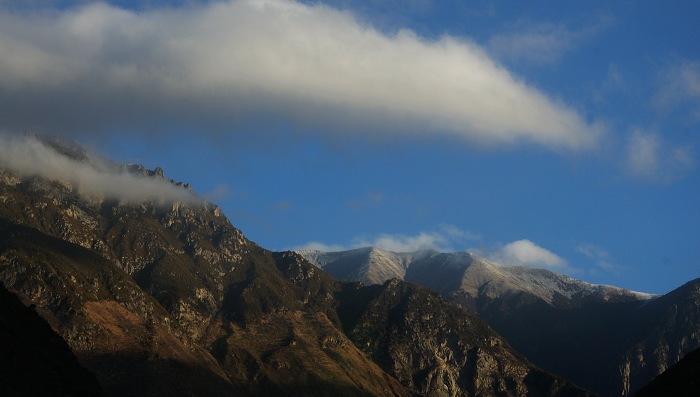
[(159, 297), (566, 326)]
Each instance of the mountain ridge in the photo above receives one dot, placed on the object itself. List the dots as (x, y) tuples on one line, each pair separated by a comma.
[(594, 323), (361, 260)]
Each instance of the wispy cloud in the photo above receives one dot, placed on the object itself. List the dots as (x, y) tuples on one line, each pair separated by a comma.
[(679, 84), (648, 158), (643, 154), (221, 65), (541, 43), (28, 156), (614, 83), (526, 253), (444, 240), (602, 258)]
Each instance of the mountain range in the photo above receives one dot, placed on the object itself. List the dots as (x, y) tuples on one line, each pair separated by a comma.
[(158, 296), (607, 339), (156, 293)]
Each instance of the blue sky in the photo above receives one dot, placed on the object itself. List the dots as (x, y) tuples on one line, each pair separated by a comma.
[(548, 134)]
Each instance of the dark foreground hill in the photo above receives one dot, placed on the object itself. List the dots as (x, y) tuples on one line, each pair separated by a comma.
[(681, 380), (34, 360), (159, 297)]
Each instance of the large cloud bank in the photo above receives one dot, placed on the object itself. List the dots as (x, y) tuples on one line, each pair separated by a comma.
[(225, 64)]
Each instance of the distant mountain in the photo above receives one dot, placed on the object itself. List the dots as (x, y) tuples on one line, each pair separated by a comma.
[(367, 265), (160, 297), (607, 339), (466, 272)]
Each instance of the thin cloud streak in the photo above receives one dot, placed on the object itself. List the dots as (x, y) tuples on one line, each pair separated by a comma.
[(29, 157), (224, 65), (442, 240), (601, 258), (542, 43)]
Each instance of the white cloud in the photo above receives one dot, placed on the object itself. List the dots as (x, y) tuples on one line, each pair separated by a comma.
[(648, 158), (526, 253), (223, 64), (442, 240), (28, 156), (401, 243)]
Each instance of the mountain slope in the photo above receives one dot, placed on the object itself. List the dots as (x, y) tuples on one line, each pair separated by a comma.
[(551, 318), (162, 297), (114, 328), (664, 331), (435, 347)]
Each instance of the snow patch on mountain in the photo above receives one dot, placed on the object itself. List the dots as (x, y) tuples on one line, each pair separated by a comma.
[(368, 265)]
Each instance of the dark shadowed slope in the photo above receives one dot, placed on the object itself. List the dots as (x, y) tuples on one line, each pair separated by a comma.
[(681, 380), (35, 360)]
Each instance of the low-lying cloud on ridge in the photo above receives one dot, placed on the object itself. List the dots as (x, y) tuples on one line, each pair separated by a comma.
[(517, 253), (28, 156), (223, 65), (525, 253)]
